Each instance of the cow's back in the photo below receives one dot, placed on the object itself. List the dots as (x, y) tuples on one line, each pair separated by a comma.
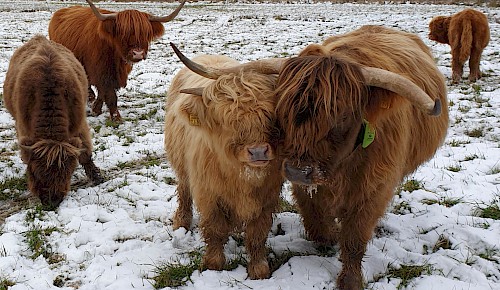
[(45, 89), (404, 129)]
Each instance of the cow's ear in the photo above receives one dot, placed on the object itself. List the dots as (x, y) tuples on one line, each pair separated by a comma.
[(158, 29), (25, 146), (194, 110), (381, 104)]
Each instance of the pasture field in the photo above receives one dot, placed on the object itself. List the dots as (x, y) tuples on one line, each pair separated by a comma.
[(441, 230)]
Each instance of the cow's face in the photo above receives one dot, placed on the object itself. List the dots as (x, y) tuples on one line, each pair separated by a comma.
[(131, 33), (438, 29), (319, 113), (238, 114), (49, 170)]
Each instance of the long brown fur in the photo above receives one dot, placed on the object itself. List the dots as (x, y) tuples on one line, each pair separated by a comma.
[(105, 48), (45, 91), (468, 33), (207, 141), (342, 189)]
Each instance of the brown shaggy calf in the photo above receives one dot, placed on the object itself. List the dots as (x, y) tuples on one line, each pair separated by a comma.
[(357, 114), (218, 139), (468, 33), (107, 44), (45, 91)]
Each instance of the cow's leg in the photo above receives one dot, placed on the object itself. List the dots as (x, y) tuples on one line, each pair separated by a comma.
[(457, 65), (85, 159), (359, 220), (184, 213), (92, 95), (255, 242), (111, 101), (215, 229), (315, 207), (96, 104), (475, 58)]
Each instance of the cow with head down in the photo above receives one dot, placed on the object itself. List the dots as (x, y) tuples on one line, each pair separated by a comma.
[(221, 142), (45, 91), (107, 44), (468, 33), (356, 115)]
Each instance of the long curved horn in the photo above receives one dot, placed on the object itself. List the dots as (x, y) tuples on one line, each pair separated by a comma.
[(210, 73), (168, 17), (193, 91), (99, 15), (402, 86), (264, 66)]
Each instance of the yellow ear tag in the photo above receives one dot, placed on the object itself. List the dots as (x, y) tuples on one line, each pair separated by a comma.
[(369, 135), (193, 120)]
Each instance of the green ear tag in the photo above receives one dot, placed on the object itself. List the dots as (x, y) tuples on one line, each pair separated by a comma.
[(369, 135)]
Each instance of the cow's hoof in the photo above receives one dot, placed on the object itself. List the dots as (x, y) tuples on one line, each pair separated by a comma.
[(214, 261), (258, 270), (349, 281)]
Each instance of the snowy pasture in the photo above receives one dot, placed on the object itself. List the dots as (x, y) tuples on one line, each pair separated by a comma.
[(118, 234)]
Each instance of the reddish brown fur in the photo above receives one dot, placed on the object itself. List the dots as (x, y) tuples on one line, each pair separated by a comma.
[(45, 90), (213, 161), (468, 33), (105, 48), (320, 113)]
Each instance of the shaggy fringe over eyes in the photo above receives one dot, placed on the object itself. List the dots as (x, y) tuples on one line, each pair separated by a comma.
[(54, 151), (134, 26), (242, 101), (315, 93)]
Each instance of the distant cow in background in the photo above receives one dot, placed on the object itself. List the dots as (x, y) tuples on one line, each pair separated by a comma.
[(219, 139), (107, 44), (356, 115), (45, 91), (468, 33)]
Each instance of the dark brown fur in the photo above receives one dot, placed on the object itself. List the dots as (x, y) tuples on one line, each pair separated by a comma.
[(342, 189), (45, 90), (468, 33), (105, 48)]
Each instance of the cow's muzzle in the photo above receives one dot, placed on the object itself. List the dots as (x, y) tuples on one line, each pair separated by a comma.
[(259, 155), (300, 175)]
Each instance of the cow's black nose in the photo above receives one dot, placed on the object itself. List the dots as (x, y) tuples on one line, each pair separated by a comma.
[(302, 175)]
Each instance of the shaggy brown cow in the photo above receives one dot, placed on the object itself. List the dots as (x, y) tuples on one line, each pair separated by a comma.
[(468, 33), (107, 44), (45, 90), (356, 116), (218, 139)]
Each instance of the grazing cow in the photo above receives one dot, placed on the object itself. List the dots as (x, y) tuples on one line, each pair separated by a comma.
[(219, 140), (356, 115), (107, 44), (468, 33), (45, 91)]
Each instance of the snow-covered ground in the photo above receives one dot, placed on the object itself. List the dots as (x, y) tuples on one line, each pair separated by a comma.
[(115, 235)]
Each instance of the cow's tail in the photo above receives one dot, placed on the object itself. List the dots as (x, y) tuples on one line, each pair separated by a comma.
[(466, 39)]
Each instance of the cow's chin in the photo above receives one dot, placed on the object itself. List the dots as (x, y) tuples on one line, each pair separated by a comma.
[(258, 163), (253, 173)]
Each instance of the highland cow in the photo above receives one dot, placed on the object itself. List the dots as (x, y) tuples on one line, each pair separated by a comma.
[(107, 44), (220, 140), (356, 115), (468, 33), (45, 91)]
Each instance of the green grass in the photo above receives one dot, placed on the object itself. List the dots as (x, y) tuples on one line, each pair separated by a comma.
[(444, 201), (410, 186), (176, 274), (6, 283), (475, 133), (492, 211), (12, 187), (36, 238), (407, 273)]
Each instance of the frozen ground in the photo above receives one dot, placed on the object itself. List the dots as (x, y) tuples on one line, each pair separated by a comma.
[(113, 236)]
